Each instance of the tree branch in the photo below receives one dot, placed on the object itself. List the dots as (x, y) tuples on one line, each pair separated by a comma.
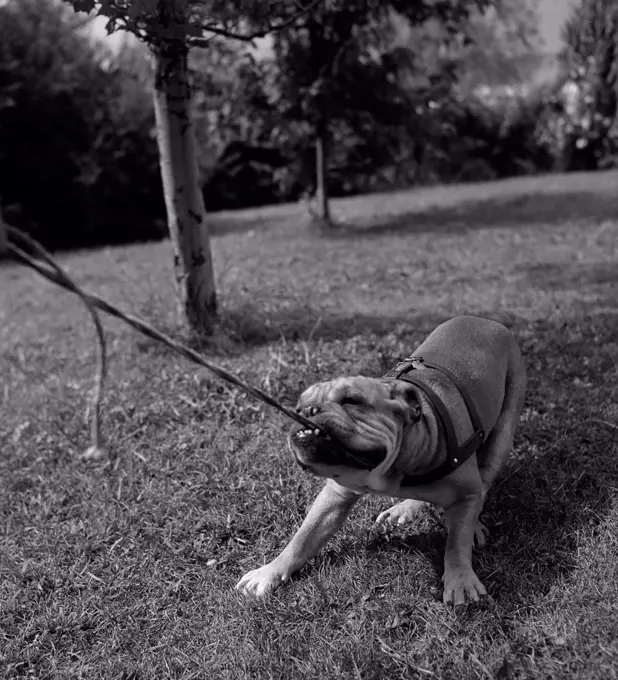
[(196, 41)]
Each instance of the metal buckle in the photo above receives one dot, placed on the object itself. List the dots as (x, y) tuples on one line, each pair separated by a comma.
[(410, 360)]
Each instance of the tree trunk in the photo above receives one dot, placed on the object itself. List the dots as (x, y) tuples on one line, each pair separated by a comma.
[(321, 174), (186, 215), (4, 239)]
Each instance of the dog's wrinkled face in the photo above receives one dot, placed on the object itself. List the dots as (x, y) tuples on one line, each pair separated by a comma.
[(365, 415)]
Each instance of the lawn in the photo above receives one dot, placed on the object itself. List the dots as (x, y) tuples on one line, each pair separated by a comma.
[(124, 568)]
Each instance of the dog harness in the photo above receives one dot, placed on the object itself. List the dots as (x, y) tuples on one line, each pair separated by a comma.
[(456, 455)]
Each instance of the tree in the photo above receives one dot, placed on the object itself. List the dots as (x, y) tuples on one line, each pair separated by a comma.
[(171, 28), (240, 134), (503, 45), (75, 133), (590, 60), (36, 79), (341, 66)]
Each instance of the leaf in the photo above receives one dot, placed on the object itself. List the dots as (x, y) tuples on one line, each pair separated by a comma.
[(140, 8), (194, 30), (81, 5)]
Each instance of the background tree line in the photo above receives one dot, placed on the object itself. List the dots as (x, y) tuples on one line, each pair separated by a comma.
[(384, 103)]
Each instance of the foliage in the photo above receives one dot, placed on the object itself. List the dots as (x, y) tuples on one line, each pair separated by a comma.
[(468, 141), (398, 99), (77, 158), (195, 22), (241, 141), (501, 45), (508, 140), (398, 116), (361, 76), (589, 130)]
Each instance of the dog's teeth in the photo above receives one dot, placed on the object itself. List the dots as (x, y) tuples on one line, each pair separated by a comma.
[(307, 432)]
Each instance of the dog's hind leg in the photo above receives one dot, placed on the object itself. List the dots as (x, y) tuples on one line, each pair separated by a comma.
[(494, 452)]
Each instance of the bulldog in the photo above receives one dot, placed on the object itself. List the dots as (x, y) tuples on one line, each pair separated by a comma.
[(435, 429)]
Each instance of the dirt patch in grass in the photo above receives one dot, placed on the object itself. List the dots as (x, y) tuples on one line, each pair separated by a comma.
[(125, 568)]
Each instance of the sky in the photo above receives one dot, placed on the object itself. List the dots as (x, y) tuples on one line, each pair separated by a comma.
[(552, 15)]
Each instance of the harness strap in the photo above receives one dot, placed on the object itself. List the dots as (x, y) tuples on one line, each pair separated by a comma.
[(456, 455)]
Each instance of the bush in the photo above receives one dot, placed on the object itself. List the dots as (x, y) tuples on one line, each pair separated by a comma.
[(243, 176), (507, 140), (468, 140), (588, 98), (78, 161)]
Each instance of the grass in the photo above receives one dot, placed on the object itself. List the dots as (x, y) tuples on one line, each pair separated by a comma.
[(125, 568)]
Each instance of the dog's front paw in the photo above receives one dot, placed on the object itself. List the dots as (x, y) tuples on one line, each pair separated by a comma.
[(400, 514), (462, 586), (259, 582)]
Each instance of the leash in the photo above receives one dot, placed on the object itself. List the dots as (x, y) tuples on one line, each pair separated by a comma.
[(10, 241)]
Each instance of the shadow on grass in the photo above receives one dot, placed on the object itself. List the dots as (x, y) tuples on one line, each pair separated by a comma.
[(561, 480), (245, 327), (441, 209), (299, 324), (571, 276), (507, 211)]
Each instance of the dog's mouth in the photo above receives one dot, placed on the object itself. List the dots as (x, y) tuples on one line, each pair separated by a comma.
[(307, 433), (316, 446), (308, 438)]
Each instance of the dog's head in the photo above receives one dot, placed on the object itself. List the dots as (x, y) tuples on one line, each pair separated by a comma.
[(364, 420)]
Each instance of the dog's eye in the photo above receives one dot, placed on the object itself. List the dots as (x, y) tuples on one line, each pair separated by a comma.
[(352, 400)]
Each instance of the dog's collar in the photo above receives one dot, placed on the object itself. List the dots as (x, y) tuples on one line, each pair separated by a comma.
[(456, 455)]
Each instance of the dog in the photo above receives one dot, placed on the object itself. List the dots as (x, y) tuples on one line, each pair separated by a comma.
[(436, 429)]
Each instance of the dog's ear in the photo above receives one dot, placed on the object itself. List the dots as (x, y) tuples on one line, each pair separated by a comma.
[(405, 398)]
